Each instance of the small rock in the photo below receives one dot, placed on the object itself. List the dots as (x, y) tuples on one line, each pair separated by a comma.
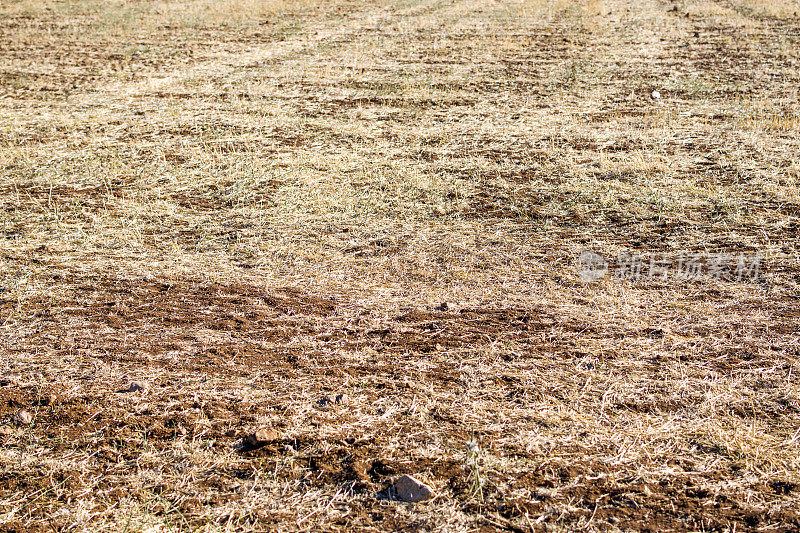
[(329, 399), (144, 409), (5, 431), (261, 437), (51, 399), (442, 307), (324, 401), (656, 95), (23, 418), (409, 489), (135, 386)]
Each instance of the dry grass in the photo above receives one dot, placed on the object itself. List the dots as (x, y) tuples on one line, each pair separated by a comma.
[(255, 206)]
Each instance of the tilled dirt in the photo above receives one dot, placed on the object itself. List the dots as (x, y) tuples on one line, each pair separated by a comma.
[(178, 335)]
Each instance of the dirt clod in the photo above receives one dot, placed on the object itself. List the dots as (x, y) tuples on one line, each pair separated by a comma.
[(324, 401), (261, 437), (329, 399)]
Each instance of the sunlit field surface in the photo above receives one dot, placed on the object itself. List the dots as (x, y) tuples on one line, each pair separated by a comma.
[(360, 224)]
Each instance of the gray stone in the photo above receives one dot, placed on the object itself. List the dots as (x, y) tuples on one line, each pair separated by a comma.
[(410, 489), (136, 386), (23, 418)]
